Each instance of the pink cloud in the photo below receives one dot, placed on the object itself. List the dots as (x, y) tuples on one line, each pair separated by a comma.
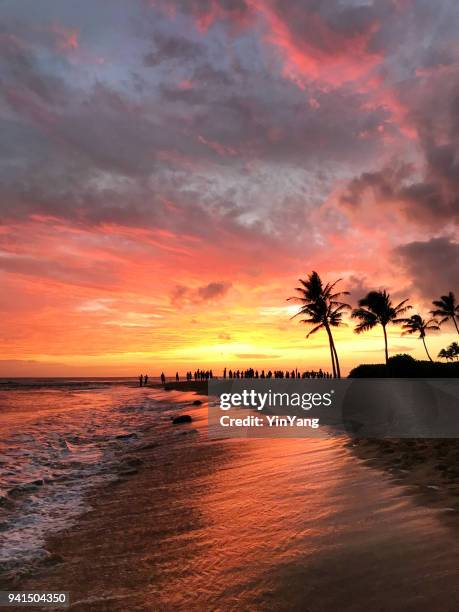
[(341, 57)]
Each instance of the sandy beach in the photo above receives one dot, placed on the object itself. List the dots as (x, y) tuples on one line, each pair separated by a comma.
[(259, 524), (430, 467)]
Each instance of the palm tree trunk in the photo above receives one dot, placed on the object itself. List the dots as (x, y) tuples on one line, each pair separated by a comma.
[(385, 344), (425, 346), (338, 370), (455, 323), (333, 362), (330, 340)]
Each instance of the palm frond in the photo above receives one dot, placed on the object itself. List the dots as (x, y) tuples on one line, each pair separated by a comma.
[(313, 331), (364, 326)]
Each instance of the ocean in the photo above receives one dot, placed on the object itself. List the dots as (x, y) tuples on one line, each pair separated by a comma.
[(58, 439)]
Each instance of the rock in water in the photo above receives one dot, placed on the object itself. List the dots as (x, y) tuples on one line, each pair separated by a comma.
[(196, 403), (127, 436), (183, 418)]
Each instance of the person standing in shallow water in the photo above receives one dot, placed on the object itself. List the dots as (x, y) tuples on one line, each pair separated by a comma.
[(141, 380), (145, 380), (177, 377), (163, 378)]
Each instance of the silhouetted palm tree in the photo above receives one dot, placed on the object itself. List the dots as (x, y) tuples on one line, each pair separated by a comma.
[(323, 309), (447, 308), (376, 308), (451, 352), (416, 324), (443, 354)]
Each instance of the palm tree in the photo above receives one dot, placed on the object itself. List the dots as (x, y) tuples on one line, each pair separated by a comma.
[(443, 354), (450, 353), (416, 324), (323, 310), (376, 308), (447, 308), (446, 354)]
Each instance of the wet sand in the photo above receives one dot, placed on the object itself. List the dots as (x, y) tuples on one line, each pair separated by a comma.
[(252, 525), (430, 467)]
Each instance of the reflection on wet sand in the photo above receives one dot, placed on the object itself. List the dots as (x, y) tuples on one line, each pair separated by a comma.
[(278, 524)]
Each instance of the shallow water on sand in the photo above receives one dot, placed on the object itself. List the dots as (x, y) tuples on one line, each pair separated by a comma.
[(301, 525), (275, 524)]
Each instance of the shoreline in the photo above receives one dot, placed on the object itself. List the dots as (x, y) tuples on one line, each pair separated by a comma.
[(126, 463), (429, 466), (79, 555)]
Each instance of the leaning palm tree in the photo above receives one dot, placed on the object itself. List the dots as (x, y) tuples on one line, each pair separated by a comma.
[(446, 308), (376, 308), (417, 325), (323, 309)]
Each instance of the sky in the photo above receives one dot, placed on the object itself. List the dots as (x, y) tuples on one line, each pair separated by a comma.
[(170, 168)]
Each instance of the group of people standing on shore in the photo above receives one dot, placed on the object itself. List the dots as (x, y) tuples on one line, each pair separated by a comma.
[(143, 380), (249, 373), (198, 375)]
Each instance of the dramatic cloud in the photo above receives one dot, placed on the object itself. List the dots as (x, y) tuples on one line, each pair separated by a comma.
[(432, 265), (151, 147), (172, 47), (207, 293)]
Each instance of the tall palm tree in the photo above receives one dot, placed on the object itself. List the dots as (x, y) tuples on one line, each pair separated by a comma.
[(416, 324), (376, 308), (323, 309), (447, 308)]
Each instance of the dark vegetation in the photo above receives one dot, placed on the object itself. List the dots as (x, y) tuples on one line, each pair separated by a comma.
[(404, 366)]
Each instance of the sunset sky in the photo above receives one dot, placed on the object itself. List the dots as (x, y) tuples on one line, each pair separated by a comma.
[(169, 169)]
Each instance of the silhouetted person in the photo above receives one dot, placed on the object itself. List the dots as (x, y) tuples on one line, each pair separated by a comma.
[(145, 380), (141, 380), (224, 373), (177, 377), (163, 378)]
